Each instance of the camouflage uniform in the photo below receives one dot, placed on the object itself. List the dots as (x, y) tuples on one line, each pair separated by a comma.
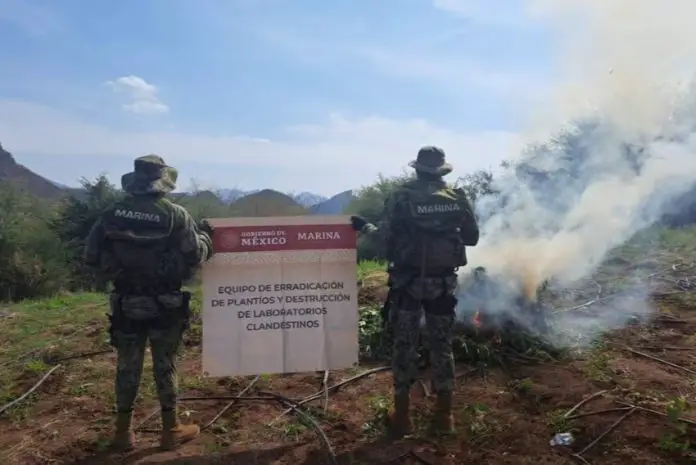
[(412, 289), (148, 247)]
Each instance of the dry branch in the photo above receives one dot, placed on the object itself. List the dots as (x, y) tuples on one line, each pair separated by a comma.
[(655, 412), (28, 393), (597, 412), (335, 387), (271, 396), (230, 404), (657, 359), (607, 431), (583, 402), (325, 386)]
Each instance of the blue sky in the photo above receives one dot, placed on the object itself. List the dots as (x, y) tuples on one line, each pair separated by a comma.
[(296, 95)]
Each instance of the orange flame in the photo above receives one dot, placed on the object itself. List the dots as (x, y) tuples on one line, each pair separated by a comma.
[(476, 320)]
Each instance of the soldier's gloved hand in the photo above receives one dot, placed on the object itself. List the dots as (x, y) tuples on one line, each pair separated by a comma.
[(206, 227), (357, 223)]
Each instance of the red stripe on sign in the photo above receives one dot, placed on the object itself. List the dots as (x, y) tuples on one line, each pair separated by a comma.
[(275, 238)]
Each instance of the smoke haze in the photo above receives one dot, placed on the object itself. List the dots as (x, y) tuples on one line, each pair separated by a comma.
[(622, 146)]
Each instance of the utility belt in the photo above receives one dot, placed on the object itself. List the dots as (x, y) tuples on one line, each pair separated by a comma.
[(400, 278), (128, 288), (148, 311)]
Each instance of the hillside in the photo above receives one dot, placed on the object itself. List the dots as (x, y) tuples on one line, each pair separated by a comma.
[(266, 203), (334, 205), (208, 198), (22, 177), (308, 199)]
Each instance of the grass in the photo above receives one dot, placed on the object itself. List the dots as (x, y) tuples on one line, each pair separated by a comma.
[(481, 424), (370, 270), (559, 423), (36, 326), (34, 333), (379, 407)]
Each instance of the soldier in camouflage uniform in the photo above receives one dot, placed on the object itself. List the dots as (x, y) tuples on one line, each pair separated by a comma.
[(425, 227), (148, 246)]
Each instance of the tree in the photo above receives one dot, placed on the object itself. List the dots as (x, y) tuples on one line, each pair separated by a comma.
[(32, 259), (369, 204), (76, 216), (477, 184)]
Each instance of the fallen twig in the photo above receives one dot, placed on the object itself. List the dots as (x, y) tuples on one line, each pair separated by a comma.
[(677, 266), (222, 412), (665, 317), (297, 408), (598, 298), (28, 393), (655, 412), (270, 396), (82, 355), (597, 412), (325, 385), (580, 458), (583, 402), (657, 359), (685, 349), (146, 419), (335, 387), (426, 391), (230, 404), (607, 431)]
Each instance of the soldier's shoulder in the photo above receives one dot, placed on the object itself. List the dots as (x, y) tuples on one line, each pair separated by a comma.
[(179, 214), (175, 208), (111, 208), (401, 192), (411, 184), (453, 188)]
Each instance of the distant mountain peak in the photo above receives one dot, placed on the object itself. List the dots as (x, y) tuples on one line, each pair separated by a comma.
[(308, 199), (23, 178), (336, 205)]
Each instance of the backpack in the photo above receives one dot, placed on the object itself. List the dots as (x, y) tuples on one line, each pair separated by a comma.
[(138, 234), (427, 227)]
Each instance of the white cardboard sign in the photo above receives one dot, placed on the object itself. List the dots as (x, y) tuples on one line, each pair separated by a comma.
[(280, 296)]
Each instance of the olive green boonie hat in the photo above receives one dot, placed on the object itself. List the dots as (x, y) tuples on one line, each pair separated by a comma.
[(150, 175), (431, 160)]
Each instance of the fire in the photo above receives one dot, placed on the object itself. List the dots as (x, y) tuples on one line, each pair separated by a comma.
[(476, 320)]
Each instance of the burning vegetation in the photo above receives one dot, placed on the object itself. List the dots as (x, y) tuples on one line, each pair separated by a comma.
[(498, 322)]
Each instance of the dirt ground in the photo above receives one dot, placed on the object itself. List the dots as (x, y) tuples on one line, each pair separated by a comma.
[(502, 417)]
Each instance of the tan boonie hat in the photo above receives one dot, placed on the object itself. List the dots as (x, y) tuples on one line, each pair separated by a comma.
[(150, 175), (431, 160)]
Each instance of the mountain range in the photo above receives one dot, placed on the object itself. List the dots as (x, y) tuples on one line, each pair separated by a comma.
[(239, 201)]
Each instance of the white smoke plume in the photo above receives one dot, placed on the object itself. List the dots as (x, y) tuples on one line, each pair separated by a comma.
[(625, 151)]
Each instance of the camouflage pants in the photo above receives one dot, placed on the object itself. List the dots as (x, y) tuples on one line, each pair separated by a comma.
[(164, 345), (436, 297)]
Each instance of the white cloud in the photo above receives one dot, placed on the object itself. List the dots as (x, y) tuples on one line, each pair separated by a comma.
[(358, 149), (141, 94)]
